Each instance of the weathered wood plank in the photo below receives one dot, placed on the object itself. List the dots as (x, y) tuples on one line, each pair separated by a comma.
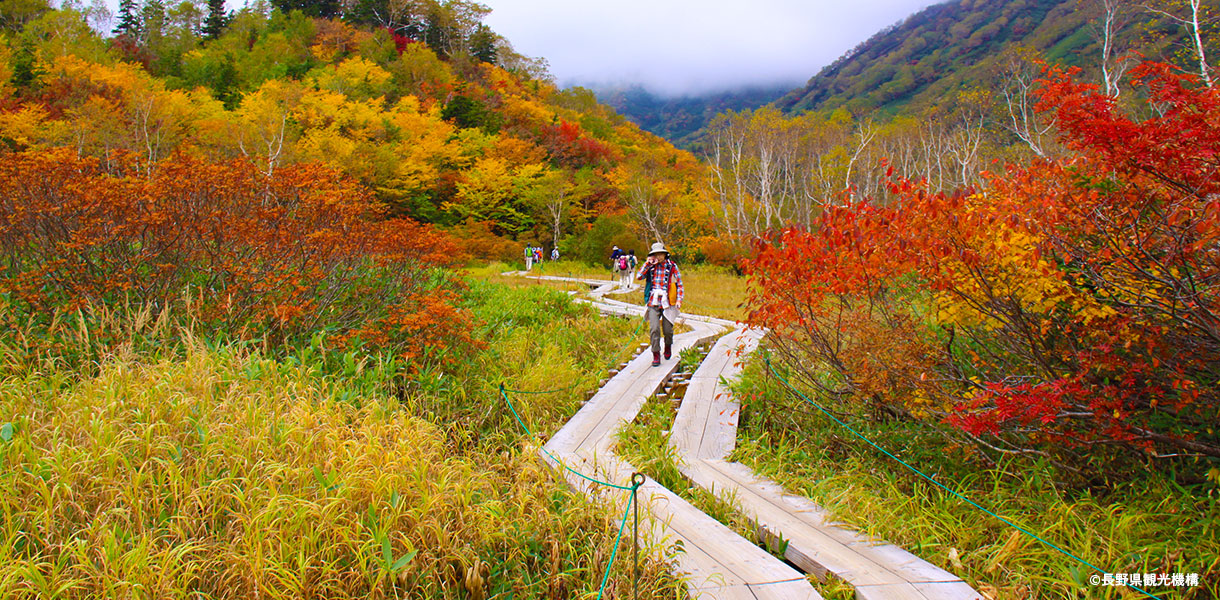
[(716, 562), (808, 546), (704, 433)]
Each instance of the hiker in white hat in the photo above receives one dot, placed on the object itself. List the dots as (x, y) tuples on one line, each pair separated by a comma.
[(662, 298)]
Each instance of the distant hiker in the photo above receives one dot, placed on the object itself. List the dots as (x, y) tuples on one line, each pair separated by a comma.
[(538, 255), (614, 254), (623, 268), (554, 254), (662, 298), (529, 258), (632, 262)]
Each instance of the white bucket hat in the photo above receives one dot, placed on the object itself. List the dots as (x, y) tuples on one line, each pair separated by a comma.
[(658, 248)]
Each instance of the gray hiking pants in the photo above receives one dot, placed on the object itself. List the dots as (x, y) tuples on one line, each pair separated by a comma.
[(656, 323)]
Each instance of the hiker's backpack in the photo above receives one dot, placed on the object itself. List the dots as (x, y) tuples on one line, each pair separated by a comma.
[(622, 263)]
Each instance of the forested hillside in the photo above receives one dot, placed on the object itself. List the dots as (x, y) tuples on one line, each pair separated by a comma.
[(680, 119), (418, 103), (927, 58)]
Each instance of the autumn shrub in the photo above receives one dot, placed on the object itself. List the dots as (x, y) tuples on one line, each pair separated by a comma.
[(719, 251), (276, 258), (1066, 309), (476, 240)]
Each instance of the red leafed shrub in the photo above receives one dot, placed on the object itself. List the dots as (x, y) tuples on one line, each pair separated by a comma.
[(1067, 308), (400, 41), (281, 257), (570, 146)]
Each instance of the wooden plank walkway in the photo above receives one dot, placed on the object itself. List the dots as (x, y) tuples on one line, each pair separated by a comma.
[(714, 561), (704, 435)]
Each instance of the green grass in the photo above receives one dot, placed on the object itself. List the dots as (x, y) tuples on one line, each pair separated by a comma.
[(494, 273), (645, 444), (708, 290), (1149, 524)]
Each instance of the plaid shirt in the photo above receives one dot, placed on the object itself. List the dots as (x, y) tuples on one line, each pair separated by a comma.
[(661, 275)]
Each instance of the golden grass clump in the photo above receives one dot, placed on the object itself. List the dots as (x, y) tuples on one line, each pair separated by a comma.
[(227, 475)]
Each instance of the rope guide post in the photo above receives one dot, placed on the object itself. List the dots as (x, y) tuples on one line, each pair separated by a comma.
[(637, 479)]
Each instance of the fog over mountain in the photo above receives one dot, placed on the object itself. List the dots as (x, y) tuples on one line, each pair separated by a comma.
[(683, 47)]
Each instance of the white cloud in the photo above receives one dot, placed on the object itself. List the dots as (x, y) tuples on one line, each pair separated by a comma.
[(674, 46)]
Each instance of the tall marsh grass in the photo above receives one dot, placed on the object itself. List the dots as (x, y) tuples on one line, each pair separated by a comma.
[(1150, 524), (173, 467)]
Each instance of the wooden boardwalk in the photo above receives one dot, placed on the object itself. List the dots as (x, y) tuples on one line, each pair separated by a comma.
[(704, 435), (715, 561)]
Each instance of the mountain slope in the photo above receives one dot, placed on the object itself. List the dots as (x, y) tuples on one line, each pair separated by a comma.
[(680, 119), (959, 44)]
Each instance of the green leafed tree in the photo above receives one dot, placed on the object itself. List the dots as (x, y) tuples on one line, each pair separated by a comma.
[(483, 44), (14, 14), (470, 113), (153, 21)]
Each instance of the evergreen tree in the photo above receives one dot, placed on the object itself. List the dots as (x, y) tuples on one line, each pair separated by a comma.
[(216, 20), (129, 20), (26, 72), (483, 44), (324, 9)]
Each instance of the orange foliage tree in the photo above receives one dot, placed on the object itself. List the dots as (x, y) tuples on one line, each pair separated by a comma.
[(1066, 309), (281, 257)]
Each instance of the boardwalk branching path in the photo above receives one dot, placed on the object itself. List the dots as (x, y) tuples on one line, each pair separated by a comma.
[(716, 562)]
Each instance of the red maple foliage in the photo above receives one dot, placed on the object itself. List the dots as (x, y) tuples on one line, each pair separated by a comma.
[(1066, 307), (282, 257)]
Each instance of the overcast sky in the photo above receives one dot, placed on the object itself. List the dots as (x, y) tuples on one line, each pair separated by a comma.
[(677, 46), (685, 46)]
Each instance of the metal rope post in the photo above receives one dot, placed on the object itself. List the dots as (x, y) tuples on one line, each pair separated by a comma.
[(637, 479)]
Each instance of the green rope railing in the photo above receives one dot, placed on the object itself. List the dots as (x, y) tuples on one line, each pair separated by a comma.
[(614, 551), (943, 486), (637, 480), (558, 461)]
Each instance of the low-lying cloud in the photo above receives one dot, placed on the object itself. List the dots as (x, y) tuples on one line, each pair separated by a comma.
[(675, 47)]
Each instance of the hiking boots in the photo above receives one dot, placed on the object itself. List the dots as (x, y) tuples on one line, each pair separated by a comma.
[(667, 352), (656, 359)]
